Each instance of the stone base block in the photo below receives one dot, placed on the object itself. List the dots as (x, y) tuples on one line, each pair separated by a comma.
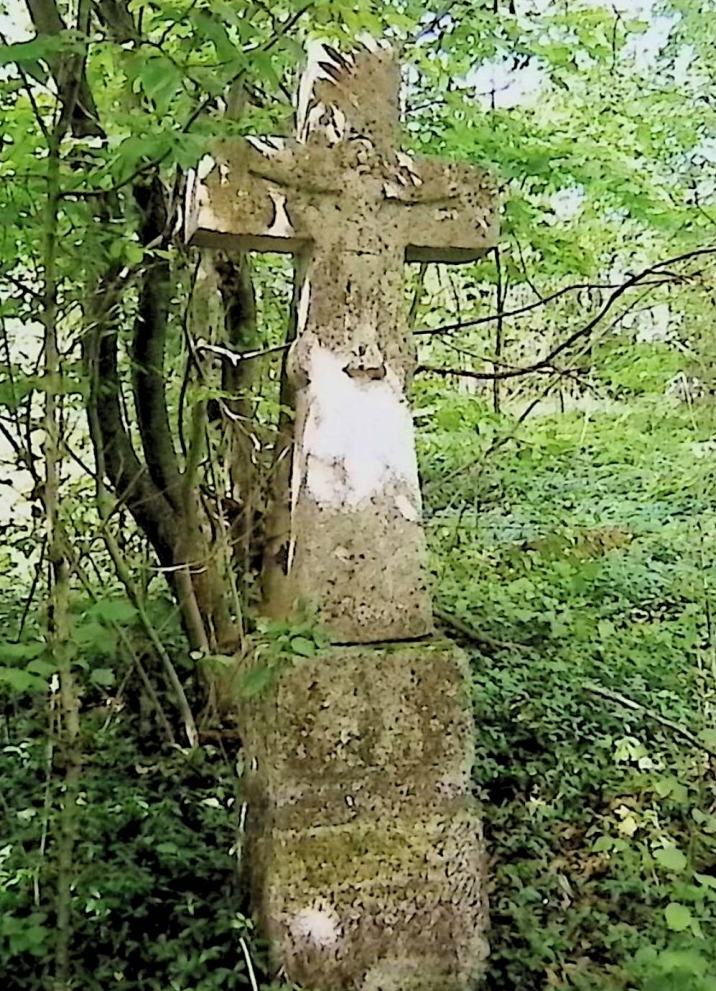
[(363, 842)]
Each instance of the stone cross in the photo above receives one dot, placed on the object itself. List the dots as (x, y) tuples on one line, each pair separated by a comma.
[(363, 845), (354, 208)]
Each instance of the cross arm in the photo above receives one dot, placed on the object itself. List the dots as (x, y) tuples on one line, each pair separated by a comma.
[(253, 196), (446, 211)]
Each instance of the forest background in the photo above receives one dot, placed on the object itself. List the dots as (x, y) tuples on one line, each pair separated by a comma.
[(564, 402)]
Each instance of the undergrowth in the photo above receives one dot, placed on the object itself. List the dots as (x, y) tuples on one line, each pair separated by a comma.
[(586, 549), (583, 546)]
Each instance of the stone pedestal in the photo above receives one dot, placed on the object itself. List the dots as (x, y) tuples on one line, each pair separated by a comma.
[(363, 843)]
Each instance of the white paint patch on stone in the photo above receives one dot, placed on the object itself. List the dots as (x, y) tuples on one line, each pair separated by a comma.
[(358, 439), (304, 300), (206, 164), (200, 212), (373, 44), (280, 225), (190, 204), (406, 162), (328, 120), (407, 508), (319, 926), (392, 190), (269, 147), (340, 125)]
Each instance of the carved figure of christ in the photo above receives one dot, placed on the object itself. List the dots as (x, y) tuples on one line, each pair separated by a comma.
[(353, 208)]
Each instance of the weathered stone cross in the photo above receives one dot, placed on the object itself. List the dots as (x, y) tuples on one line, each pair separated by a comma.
[(364, 847), (354, 209)]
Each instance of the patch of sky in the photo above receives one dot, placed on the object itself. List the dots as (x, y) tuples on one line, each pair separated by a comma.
[(499, 84), (15, 23)]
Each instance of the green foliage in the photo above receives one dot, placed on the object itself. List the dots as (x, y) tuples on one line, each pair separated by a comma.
[(277, 646), (156, 906), (592, 550), (629, 369)]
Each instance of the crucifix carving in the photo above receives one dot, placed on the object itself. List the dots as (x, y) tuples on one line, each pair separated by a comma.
[(363, 845), (354, 209)]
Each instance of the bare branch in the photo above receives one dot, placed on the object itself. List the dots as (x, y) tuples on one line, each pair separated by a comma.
[(606, 693), (484, 640), (451, 328), (659, 268)]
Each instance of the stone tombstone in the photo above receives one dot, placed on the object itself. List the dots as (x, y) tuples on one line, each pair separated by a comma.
[(354, 208), (363, 844)]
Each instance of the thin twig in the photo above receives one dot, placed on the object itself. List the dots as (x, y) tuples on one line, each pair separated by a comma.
[(501, 441), (249, 964), (655, 269), (619, 699), (47, 801), (33, 588), (22, 286), (470, 633), (547, 363), (451, 328), (234, 357), (125, 578)]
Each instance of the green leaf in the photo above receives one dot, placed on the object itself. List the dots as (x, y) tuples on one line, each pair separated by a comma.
[(139, 149), (664, 786), (113, 611), (11, 653), (255, 681), (686, 961), (708, 880), (27, 52), (303, 647), (678, 917), (264, 67), (188, 149), (670, 858), (217, 662), (25, 935), (21, 681), (214, 31), (14, 391), (160, 79), (93, 635), (45, 669), (104, 677), (167, 847)]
